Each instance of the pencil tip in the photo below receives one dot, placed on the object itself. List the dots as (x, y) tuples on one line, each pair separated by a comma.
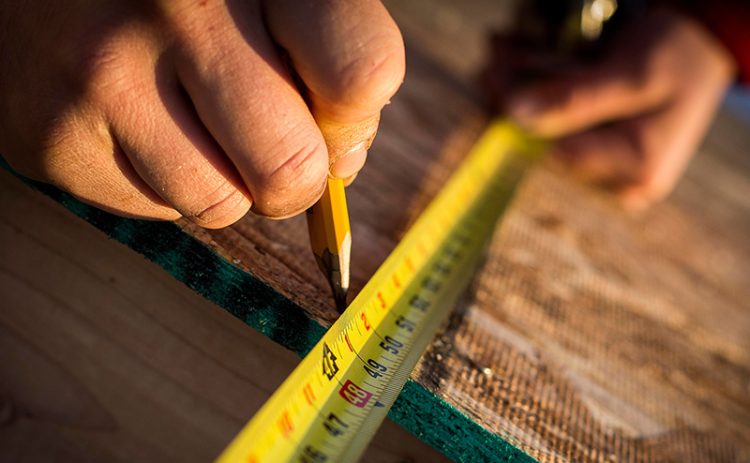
[(341, 304), (338, 282), (339, 296)]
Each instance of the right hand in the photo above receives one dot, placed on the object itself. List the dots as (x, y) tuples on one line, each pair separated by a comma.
[(166, 108)]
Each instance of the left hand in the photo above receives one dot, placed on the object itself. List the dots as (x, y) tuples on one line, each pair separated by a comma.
[(633, 120)]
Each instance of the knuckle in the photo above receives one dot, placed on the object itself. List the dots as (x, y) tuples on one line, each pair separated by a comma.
[(653, 184), (301, 160), (196, 20), (651, 83), (109, 68), (101, 59), (375, 75), (219, 209), (116, 84), (294, 184)]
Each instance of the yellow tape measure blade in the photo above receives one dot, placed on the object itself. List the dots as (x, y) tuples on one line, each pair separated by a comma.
[(332, 403)]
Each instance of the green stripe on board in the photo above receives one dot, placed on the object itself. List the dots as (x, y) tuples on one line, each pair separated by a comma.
[(245, 296)]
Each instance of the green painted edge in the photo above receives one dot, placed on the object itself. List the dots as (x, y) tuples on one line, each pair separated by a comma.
[(245, 296)]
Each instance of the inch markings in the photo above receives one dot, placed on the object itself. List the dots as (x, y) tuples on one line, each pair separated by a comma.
[(330, 406)]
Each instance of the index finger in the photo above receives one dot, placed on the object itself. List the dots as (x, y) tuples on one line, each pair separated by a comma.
[(350, 57)]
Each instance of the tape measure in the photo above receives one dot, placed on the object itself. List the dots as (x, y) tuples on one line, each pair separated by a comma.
[(330, 406)]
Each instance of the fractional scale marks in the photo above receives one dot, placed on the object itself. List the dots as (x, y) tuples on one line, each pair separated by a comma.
[(329, 408)]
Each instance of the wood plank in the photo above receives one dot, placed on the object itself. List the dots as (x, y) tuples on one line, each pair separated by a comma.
[(590, 335), (105, 357), (404, 171)]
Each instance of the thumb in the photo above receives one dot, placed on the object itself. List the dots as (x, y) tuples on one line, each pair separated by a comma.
[(347, 143), (351, 60)]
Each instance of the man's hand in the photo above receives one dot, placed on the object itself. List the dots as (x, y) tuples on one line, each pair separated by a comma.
[(632, 121), (162, 108)]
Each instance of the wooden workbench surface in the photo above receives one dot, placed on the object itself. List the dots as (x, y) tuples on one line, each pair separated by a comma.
[(589, 335)]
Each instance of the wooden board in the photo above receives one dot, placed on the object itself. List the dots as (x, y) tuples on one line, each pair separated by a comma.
[(105, 357), (404, 171), (592, 336), (589, 336)]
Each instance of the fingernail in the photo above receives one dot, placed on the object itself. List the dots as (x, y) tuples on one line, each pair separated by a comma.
[(349, 164)]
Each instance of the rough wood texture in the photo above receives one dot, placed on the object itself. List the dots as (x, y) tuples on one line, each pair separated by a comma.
[(603, 336), (105, 357), (405, 169), (589, 335)]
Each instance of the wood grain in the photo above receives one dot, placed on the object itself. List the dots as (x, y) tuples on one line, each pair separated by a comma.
[(404, 171), (590, 335), (605, 336), (105, 357)]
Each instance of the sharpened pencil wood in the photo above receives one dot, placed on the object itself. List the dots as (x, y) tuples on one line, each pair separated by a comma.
[(331, 239)]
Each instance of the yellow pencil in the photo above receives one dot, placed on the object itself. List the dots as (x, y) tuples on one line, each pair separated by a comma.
[(331, 238)]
